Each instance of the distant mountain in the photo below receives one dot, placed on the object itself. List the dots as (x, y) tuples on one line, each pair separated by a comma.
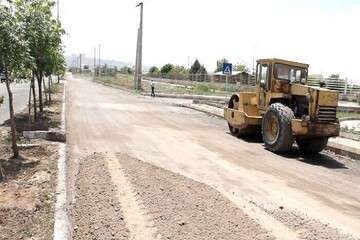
[(73, 60)]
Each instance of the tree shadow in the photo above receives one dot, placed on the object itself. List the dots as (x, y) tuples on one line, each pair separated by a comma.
[(46, 120), (9, 168), (319, 159)]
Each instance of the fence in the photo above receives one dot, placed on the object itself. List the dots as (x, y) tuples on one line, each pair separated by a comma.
[(340, 85), (240, 81), (202, 83)]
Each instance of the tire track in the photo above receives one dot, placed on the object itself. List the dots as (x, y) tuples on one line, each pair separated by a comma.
[(137, 221)]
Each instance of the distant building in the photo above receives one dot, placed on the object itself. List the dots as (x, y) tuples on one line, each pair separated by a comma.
[(240, 77)]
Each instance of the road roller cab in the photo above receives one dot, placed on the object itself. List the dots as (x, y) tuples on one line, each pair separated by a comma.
[(284, 109)]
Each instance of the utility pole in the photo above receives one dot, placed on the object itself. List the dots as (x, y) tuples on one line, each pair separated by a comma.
[(80, 63), (58, 10), (94, 62), (99, 59), (138, 63)]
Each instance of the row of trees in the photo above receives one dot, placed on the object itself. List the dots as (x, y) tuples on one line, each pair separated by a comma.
[(30, 48), (177, 71), (196, 68), (241, 67)]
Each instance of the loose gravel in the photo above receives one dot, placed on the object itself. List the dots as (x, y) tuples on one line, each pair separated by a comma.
[(97, 213), (307, 228), (185, 209)]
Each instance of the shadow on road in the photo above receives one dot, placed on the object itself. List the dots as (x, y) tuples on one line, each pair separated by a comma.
[(254, 138), (319, 159)]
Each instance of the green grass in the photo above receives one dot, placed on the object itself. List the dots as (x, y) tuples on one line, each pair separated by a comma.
[(341, 114), (198, 88), (121, 80)]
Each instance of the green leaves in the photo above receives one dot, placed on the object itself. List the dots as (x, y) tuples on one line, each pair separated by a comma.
[(197, 68), (13, 48), (42, 34)]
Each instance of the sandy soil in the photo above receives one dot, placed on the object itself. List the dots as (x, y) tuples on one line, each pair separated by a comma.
[(323, 188)]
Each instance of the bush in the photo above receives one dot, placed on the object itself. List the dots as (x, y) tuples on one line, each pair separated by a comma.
[(202, 88)]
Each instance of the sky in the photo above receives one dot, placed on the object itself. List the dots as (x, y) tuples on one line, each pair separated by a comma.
[(324, 34)]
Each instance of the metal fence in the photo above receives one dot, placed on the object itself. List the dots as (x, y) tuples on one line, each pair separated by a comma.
[(340, 85), (236, 81)]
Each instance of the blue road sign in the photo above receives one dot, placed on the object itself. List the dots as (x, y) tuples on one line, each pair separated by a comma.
[(227, 68)]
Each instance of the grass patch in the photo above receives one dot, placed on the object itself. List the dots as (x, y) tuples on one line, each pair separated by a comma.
[(180, 87), (342, 114), (121, 80)]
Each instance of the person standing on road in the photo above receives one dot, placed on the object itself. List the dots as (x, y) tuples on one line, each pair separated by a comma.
[(152, 84)]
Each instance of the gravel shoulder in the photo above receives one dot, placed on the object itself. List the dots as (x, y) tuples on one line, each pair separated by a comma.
[(185, 209), (97, 213)]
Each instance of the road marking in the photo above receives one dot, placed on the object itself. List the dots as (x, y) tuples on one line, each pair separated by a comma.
[(137, 221)]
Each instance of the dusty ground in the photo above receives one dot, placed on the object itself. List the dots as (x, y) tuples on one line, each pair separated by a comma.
[(289, 196), (27, 194), (27, 189)]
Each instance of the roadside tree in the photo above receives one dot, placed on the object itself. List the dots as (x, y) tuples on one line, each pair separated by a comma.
[(166, 68), (220, 63), (241, 67), (154, 71), (43, 34), (197, 71), (13, 51)]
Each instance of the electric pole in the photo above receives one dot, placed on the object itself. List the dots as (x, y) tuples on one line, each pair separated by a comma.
[(58, 10), (94, 62), (80, 63), (138, 62), (99, 59)]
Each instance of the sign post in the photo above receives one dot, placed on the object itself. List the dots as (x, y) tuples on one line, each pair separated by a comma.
[(227, 71)]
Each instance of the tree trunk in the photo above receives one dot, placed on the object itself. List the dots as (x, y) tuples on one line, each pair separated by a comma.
[(34, 96), (12, 118), (29, 110), (39, 80), (45, 94), (58, 78), (49, 89)]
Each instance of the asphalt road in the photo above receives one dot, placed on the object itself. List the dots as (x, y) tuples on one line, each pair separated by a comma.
[(279, 196), (21, 96)]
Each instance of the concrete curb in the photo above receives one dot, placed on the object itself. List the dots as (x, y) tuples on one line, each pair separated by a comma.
[(62, 225), (349, 119), (332, 146), (54, 136), (343, 150), (186, 96), (203, 110)]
